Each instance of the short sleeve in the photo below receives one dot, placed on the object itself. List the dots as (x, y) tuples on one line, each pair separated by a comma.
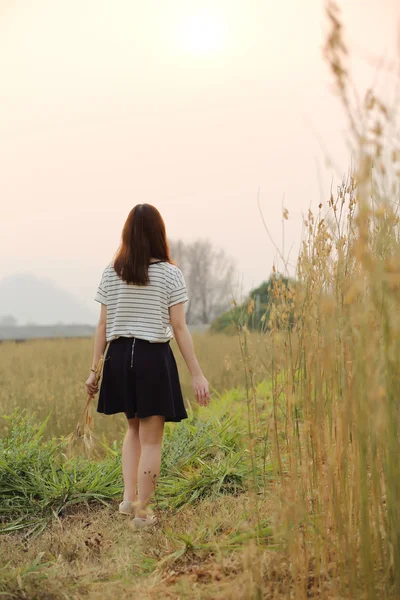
[(101, 294), (178, 294)]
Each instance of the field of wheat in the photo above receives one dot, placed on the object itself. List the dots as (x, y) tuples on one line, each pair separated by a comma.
[(46, 377)]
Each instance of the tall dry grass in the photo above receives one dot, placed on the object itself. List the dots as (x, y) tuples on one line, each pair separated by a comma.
[(336, 390)]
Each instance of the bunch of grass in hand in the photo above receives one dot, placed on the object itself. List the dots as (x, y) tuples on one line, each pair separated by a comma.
[(84, 429)]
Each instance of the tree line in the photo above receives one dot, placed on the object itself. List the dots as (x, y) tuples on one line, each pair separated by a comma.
[(209, 273)]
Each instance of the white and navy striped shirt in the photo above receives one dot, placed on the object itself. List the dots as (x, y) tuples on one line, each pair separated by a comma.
[(142, 311)]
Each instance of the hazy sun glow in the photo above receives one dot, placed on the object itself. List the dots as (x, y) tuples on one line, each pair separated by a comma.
[(188, 104), (203, 34)]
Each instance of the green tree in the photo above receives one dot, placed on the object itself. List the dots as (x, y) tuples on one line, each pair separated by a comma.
[(254, 311)]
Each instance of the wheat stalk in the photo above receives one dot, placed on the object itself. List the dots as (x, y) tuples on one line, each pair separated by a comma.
[(85, 426)]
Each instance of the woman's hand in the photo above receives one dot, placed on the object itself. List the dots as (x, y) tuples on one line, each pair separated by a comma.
[(91, 386), (201, 390)]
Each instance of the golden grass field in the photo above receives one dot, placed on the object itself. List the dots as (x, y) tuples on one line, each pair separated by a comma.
[(47, 377)]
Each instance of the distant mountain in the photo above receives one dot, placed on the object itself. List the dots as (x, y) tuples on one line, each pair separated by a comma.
[(32, 299)]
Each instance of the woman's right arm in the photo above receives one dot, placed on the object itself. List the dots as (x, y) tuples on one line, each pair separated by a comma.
[(185, 343)]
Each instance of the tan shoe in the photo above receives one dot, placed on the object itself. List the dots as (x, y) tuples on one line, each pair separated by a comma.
[(140, 523), (127, 507)]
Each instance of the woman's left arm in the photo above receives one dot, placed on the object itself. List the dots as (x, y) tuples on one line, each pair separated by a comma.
[(100, 343)]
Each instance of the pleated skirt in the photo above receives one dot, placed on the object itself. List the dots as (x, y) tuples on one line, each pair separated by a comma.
[(141, 379)]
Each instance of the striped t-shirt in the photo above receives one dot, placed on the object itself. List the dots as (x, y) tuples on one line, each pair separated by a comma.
[(141, 311)]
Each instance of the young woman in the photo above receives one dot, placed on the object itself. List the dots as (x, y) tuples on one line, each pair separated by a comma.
[(142, 295)]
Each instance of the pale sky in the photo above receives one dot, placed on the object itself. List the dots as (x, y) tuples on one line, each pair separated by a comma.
[(188, 105)]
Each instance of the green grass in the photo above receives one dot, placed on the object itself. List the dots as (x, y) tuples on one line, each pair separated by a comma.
[(202, 458), (58, 512)]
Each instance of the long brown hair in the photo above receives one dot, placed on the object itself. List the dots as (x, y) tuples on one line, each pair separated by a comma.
[(143, 238)]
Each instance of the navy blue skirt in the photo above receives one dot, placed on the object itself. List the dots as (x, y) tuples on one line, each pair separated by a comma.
[(141, 379)]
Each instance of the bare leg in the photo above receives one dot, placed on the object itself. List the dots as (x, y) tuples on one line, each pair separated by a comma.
[(151, 432), (130, 459)]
